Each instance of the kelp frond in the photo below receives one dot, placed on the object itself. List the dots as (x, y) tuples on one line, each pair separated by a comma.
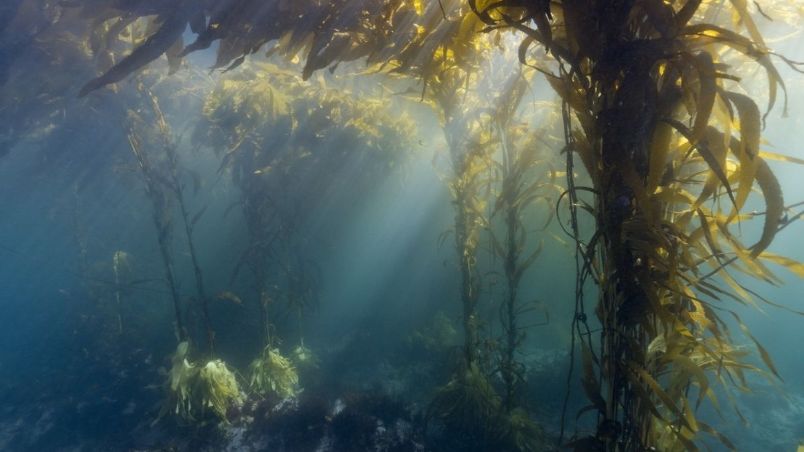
[(218, 388), (194, 391), (272, 373)]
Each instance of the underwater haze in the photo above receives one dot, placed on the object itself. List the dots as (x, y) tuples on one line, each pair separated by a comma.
[(401, 225)]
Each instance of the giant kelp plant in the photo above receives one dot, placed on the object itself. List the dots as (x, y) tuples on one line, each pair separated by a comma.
[(659, 133), (649, 88)]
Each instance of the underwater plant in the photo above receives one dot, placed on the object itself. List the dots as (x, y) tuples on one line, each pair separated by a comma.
[(522, 179), (472, 417), (177, 187), (452, 92), (181, 382), (218, 388), (195, 390), (272, 373), (649, 106), (161, 212)]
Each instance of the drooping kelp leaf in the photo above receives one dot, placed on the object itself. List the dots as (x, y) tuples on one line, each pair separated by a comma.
[(169, 33), (763, 353), (708, 155), (774, 205), (706, 93), (713, 34), (659, 150), (792, 265), (401, 35), (713, 146), (750, 127), (767, 155)]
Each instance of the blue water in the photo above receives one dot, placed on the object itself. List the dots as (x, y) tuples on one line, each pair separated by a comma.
[(71, 379)]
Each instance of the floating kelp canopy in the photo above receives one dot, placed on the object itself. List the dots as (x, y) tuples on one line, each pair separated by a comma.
[(662, 145)]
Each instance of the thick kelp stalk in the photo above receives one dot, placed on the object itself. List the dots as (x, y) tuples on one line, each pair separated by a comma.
[(650, 107)]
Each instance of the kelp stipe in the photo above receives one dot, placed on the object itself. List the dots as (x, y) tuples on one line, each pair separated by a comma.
[(517, 190), (177, 187), (160, 203)]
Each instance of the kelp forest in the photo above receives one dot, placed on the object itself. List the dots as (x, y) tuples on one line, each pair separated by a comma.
[(401, 225)]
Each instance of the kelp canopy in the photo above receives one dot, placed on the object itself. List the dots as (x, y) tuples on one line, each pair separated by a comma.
[(658, 130)]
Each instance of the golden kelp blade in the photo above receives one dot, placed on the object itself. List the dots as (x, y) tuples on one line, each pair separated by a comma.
[(780, 157)]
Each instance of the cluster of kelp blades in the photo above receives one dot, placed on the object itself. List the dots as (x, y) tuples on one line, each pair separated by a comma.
[(651, 105)]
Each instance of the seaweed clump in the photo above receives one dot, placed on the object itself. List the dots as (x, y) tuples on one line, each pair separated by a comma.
[(195, 392), (272, 373), (469, 415)]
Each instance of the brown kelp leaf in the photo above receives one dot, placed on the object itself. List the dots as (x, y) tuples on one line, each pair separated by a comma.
[(657, 390), (713, 142), (774, 205), (713, 34), (720, 437), (780, 157), (692, 371), (763, 353), (706, 94), (706, 153), (750, 126), (791, 264), (686, 12), (659, 149), (707, 232), (157, 44)]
